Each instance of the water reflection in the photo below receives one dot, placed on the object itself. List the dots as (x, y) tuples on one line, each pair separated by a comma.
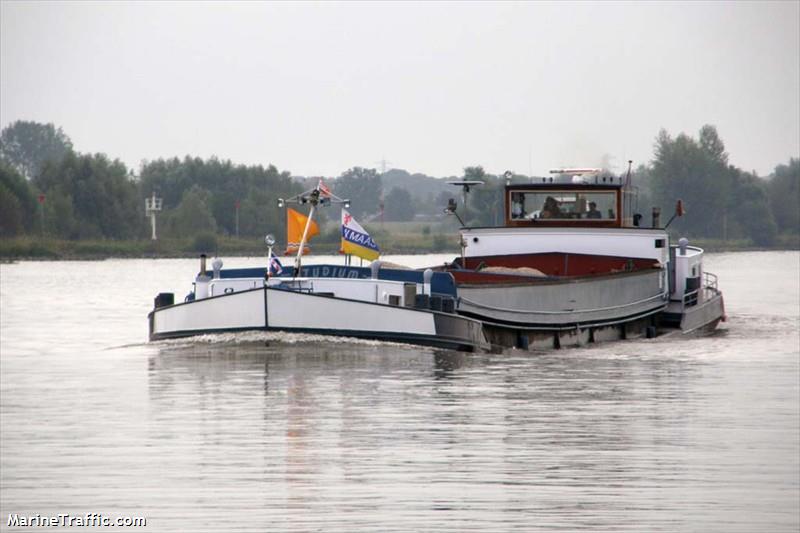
[(392, 417), (261, 432), (446, 362)]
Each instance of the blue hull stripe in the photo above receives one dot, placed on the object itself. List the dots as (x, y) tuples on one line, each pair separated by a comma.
[(441, 282)]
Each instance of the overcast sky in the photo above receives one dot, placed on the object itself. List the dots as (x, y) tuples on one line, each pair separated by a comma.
[(316, 88)]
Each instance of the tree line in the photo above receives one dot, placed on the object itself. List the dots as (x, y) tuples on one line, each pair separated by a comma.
[(47, 186), (722, 201)]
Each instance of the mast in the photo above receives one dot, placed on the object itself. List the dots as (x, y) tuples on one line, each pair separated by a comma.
[(318, 196), (314, 200)]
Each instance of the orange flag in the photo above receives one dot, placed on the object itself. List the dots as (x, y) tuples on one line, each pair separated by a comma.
[(295, 225)]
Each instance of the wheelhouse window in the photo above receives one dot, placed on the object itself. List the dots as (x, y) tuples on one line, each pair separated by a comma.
[(563, 205)]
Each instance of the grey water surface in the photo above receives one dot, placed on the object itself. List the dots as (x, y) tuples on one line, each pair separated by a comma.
[(272, 432)]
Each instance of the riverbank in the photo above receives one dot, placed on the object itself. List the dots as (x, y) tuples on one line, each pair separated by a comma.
[(28, 248)]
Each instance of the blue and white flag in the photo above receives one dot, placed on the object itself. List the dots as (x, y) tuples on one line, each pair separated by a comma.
[(275, 266)]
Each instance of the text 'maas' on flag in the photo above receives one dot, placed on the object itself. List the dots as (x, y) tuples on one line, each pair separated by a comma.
[(356, 241), (295, 225)]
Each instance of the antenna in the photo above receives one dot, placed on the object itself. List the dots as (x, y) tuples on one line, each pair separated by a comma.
[(384, 164), (628, 179), (465, 185), (628, 194)]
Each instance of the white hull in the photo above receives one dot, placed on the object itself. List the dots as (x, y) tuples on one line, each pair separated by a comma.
[(229, 312), (285, 310)]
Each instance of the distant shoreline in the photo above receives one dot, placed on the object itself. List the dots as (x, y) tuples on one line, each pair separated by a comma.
[(33, 249)]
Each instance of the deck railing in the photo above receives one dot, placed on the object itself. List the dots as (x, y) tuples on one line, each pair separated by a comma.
[(707, 290), (710, 281)]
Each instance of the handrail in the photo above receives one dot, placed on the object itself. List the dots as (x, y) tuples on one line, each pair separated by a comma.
[(690, 298), (522, 311), (696, 249), (710, 281)]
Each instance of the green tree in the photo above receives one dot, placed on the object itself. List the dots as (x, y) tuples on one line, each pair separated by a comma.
[(27, 145), (695, 172), (168, 178), (484, 202), (399, 206), (712, 145), (784, 196), (60, 219), (750, 208), (362, 186), (721, 200), (226, 184), (259, 216), (10, 213), (103, 196), (643, 199), (193, 216), (18, 205)]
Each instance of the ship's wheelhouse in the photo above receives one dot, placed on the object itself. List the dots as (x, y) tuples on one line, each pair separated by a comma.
[(575, 223), (582, 200), (560, 205)]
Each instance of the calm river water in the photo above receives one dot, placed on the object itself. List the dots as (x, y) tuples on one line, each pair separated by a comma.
[(267, 432)]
